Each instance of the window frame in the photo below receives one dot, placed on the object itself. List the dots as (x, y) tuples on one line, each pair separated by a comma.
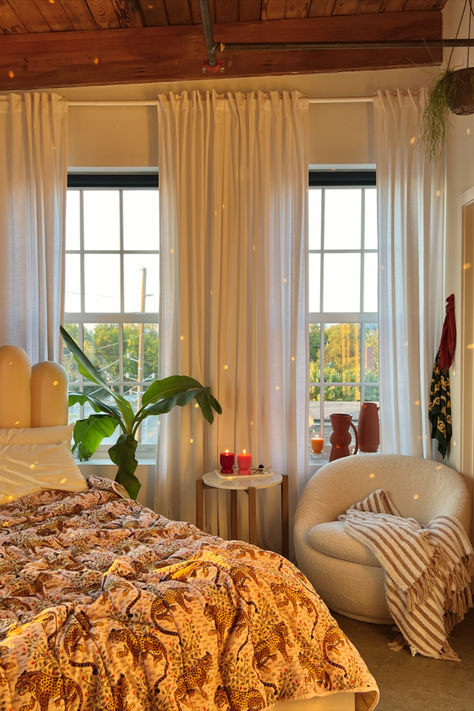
[(111, 181), (339, 179)]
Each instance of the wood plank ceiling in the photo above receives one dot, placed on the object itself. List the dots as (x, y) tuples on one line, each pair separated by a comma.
[(52, 43)]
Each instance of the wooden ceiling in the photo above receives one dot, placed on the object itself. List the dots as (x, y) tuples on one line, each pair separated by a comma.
[(51, 43)]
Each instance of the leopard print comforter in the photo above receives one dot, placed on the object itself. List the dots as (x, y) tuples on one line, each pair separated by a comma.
[(106, 605)]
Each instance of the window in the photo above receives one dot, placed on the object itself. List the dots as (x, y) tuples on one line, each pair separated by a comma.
[(112, 284), (343, 327)]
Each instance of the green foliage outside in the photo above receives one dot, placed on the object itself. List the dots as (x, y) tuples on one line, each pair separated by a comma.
[(342, 361), (102, 346)]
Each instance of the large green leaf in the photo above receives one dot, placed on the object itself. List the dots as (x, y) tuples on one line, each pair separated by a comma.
[(97, 405), (89, 371), (167, 404), (89, 433), (122, 453), (215, 404), (167, 387), (86, 368), (202, 399)]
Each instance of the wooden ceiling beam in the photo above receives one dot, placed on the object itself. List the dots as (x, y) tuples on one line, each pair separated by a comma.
[(340, 28), (153, 54)]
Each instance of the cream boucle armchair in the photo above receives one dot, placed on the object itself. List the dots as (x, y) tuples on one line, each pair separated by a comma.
[(345, 574)]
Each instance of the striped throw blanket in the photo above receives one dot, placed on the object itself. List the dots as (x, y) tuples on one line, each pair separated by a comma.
[(427, 571)]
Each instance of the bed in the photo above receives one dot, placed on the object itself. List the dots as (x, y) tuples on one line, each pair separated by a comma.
[(105, 604)]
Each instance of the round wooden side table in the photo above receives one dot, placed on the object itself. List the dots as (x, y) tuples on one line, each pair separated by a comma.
[(249, 484)]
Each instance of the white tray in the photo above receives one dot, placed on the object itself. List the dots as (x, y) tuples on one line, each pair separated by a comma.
[(252, 474)]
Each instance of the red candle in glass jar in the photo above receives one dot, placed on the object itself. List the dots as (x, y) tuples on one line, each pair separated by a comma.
[(244, 460), (227, 462)]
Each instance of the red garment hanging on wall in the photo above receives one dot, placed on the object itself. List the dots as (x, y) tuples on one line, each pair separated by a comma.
[(448, 336), (440, 395)]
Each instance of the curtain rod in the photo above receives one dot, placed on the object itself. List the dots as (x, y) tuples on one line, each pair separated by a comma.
[(311, 100)]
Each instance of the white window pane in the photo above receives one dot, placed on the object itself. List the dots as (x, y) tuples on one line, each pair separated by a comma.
[(73, 223), (314, 218), (141, 274), (371, 219), (341, 290), (72, 296), (140, 219), (101, 219), (342, 219), (314, 282), (102, 282), (370, 282)]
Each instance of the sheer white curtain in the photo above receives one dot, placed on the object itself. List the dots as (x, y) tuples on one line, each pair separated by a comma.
[(233, 196), (33, 130), (410, 191)]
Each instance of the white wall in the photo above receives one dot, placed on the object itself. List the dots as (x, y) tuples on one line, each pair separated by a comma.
[(126, 136)]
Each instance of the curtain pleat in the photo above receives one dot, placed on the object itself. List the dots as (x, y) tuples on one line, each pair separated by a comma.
[(233, 195), (33, 131), (410, 194)]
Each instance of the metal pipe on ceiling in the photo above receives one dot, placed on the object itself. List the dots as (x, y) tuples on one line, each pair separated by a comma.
[(299, 46), (211, 46)]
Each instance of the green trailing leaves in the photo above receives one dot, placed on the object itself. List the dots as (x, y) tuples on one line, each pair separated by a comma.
[(452, 92), (160, 397), (435, 116)]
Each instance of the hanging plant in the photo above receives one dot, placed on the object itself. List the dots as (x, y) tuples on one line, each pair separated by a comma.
[(452, 92)]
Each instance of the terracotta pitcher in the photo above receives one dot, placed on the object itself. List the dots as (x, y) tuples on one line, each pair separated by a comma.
[(369, 437), (341, 437)]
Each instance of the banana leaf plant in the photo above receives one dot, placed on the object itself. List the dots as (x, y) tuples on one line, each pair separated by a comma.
[(160, 397)]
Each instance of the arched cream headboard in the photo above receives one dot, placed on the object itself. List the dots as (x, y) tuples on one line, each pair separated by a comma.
[(31, 396)]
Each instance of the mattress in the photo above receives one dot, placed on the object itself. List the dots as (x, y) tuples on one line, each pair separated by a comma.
[(105, 604)]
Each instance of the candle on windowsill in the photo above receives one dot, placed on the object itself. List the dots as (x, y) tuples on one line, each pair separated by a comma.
[(227, 462), (317, 444), (244, 460)]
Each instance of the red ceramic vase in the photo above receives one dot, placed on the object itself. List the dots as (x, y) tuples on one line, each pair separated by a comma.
[(369, 431), (341, 437)]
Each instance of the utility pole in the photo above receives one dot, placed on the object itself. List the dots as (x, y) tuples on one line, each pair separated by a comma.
[(141, 343)]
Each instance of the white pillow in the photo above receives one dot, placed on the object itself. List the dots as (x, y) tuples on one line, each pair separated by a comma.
[(28, 468), (37, 435)]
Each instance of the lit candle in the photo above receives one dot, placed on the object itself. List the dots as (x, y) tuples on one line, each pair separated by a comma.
[(317, 444), (244, 460), (227, 462)]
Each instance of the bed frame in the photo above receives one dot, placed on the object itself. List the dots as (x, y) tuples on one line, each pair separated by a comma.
[(37, 397)]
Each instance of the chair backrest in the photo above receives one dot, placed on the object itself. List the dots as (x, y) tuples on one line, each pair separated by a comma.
[(420, 488)]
